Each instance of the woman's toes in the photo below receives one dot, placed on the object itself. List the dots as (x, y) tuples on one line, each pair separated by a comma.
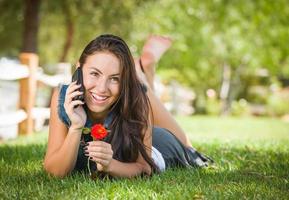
[(157, 46)]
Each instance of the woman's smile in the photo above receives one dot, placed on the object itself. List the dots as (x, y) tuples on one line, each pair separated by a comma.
[(99, 99)]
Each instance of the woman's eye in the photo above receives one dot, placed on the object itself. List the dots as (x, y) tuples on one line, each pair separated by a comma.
[(114, 79), (94, 73)]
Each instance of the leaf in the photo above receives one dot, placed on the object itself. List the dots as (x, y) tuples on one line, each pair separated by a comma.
[(85, 130)]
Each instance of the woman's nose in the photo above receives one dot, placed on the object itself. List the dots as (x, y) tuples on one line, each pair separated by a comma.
[(101, 85)]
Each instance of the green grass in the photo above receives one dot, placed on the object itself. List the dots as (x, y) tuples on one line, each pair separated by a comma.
[(251, 154)]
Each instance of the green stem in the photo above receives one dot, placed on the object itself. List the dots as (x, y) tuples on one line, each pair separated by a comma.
[(88, 166)]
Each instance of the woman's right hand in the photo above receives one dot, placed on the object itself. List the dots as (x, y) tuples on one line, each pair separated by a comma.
[(77, 114)]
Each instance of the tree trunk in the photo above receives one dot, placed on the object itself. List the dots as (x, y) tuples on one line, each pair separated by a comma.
[(225, 89), (231, 86), (69, 32), (31, 24), (236, 84)]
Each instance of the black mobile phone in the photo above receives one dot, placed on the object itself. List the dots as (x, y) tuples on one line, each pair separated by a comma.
[(78, 77)]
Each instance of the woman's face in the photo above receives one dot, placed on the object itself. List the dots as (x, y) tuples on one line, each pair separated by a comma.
[(101, 78)]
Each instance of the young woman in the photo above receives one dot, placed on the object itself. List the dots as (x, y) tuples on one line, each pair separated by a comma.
[(125, 103)]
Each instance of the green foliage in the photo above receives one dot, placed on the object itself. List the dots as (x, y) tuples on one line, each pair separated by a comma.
[(240, 108), (244, 35), (277, 103), (251, 158), (248, 36), (90, 18), (11, 20), (213, 106), (258, 94)]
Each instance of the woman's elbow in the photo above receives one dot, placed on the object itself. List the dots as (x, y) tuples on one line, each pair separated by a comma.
[(54, 171)]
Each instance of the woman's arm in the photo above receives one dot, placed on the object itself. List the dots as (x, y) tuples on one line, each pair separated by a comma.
[(129, 170), (63, 143)]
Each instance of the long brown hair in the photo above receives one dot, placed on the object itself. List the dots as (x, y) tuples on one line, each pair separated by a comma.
[(131, 110)]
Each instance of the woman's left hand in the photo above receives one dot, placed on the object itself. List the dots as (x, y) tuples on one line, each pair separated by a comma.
[(101, 153)]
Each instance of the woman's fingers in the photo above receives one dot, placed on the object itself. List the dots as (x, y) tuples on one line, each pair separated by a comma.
[(74, 94), (100, 152), (75, 103), (72, 87), (96, 149), (102, 165), (98, 143), (76, 114), (103, 162), (99, 148), (70, 106), (99, 155)]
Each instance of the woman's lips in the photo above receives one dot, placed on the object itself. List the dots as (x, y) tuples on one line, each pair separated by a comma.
[(99, 99)]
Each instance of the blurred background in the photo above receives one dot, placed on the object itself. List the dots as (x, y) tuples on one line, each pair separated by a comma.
[(228, 58)]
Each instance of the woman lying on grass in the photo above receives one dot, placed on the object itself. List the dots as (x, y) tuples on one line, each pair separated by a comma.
[(142, 135)]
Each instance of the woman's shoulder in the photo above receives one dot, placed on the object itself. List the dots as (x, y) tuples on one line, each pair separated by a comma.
[(58, 99), (59, 92)]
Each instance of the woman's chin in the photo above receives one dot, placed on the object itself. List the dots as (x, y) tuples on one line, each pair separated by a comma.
[(98, 109)]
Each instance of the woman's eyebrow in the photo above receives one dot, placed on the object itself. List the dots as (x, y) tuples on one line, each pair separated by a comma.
[(96, 69), (117, 74)]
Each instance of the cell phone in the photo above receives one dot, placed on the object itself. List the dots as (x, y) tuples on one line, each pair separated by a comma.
[(78, 77)]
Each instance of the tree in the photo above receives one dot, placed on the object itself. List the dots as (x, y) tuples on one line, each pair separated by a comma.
[(31, 24), (210, 37), (11, 27)]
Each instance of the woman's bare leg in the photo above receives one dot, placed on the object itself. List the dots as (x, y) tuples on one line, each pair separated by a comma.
[(163, 118), (153, 49)]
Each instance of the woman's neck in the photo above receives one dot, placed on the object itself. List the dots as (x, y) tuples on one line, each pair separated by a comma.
[(97, 117)]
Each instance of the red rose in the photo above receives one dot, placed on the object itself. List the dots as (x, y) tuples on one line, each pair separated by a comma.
[(98, 132)]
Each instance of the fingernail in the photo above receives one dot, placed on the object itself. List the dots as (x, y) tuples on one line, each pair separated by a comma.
[(86, 155), (85, 148)]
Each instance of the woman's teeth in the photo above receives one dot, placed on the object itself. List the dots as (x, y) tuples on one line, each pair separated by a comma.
[(99, 98)]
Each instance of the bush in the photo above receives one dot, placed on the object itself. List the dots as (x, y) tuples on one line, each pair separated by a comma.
[(240, 108), (258, 94), (213, 106), (277, 103)]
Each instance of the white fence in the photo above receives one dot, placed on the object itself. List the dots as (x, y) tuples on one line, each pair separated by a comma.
[(18, 85)]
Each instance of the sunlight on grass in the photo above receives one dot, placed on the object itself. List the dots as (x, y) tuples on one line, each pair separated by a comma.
[(251, 162), (36, 138), (234, 130)]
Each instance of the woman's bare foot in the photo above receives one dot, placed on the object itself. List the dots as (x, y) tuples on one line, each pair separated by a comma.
[(153, 49)]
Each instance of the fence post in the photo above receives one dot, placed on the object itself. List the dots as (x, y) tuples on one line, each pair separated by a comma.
[(28, 92)]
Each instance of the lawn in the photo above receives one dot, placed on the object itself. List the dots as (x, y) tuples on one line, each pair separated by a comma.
[(251, 155)]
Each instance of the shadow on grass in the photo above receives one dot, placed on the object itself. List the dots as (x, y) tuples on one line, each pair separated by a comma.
[(22, 153)]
